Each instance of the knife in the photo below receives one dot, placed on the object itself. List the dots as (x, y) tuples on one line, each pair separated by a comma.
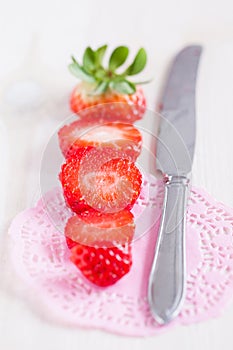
[(175, 150)]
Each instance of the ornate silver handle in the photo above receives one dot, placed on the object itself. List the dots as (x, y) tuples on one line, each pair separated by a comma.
[(167, 279)]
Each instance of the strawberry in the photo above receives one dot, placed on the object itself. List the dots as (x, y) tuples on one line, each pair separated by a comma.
[(69, 180), (94, 228), (104, 93), (121, 136), (93, 179), (110, 106), (102, 266), (100, 245)]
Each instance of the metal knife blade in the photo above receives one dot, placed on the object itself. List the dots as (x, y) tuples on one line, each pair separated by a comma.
[(177, 130), (175, 151)]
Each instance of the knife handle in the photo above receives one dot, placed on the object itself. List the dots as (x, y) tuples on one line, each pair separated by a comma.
[(167, 279)]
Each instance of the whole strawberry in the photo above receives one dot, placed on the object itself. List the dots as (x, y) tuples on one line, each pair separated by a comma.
[(104, 93)]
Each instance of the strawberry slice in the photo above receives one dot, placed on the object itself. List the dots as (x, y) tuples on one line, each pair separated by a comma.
[(100, 245), (123, 137), (102, 266), (94, 228), (93, 182), (69, 180)]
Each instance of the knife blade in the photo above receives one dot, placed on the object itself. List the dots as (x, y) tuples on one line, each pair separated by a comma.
[(175, 150)]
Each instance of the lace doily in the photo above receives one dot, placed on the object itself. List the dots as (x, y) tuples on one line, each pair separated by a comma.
[(41, 258)]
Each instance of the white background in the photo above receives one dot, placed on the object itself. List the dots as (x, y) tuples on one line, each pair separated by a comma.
[(36, 40)]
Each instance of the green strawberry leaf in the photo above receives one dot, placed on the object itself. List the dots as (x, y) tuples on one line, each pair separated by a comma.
[(80, 72), (123, 86), (89, 59), (138, 64), (99, 53), (93, 71), (118, 57), (101, 88), (100, 74)]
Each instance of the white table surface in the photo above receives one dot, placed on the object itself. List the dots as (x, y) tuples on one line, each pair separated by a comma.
[(37, 38)]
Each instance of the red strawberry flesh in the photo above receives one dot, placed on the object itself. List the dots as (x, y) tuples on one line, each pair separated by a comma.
[(123, 137), (93, 228), (93, 182), (102, 266)]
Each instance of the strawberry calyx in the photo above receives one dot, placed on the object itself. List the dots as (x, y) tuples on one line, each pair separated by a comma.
[(109, 78)]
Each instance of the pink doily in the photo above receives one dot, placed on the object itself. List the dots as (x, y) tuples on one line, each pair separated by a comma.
[(41, 258)]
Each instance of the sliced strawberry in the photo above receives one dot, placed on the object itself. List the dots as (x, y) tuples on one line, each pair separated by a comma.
[(100, 245), (70, 182), (113, 187), (93, 228), (124, 138), (110, 106), (92, 181), (69, 134), (102, 266)]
